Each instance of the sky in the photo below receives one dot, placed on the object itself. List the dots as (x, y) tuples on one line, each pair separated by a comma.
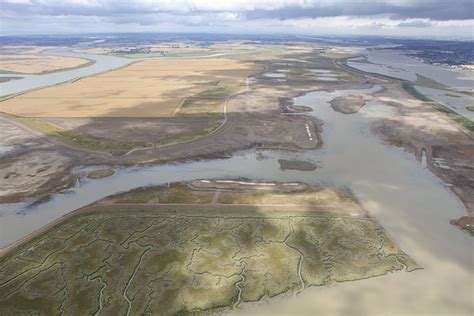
[(444, 19)]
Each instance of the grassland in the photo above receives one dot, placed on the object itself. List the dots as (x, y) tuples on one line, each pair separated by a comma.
[(184, 138), (101, 173), (84, 141), (470, 108), (322, 197), (174, 49), (430, 83), (182, 193), (134, 261), (76, 139), (150, 88), (172, 193), (207, 102)]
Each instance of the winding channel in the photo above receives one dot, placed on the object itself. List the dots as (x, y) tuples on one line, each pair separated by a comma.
[(102, 63), (412, 205)]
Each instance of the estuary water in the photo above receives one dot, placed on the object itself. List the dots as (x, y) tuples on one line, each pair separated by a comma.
[(395, 64), (412, 205), (29, 82)]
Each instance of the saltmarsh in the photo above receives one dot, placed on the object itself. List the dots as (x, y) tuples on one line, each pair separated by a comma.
[(162, 261)]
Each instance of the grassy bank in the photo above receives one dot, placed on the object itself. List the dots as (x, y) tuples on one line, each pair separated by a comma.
[(182, 193), (207, 102), (466, 123), (74, 138), (83, 141), (101, 173), (186, 138)]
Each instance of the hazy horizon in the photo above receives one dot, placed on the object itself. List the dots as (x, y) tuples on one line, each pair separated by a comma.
[(434, 19)]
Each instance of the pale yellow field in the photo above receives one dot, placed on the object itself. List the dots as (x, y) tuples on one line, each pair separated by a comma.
[(150, 88), (333, 54), (28, 60)]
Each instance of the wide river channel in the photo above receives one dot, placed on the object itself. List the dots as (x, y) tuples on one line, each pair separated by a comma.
[(406, 199), (102, 63)]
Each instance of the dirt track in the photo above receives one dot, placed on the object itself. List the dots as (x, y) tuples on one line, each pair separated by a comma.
[(252, 118)]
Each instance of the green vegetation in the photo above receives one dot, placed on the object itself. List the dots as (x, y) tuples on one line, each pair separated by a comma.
[(468, 229), (74, 138), (100, 173), (429, 83), (470, 108), (182, 193), (208, 102), (172, 193), (133, 261), (185, 138), (452, 95), (322, 197), (188, 53), (196, 53), (84, 141), (465, 122)]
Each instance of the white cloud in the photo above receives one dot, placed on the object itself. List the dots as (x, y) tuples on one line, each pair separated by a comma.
[(357, 17)]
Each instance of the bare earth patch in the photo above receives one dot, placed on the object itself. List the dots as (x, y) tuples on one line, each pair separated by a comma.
[(348, 105)]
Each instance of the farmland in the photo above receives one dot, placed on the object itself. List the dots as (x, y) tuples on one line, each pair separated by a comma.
[(150, 88)]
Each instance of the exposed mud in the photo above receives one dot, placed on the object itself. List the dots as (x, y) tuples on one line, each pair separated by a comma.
[(348, 104), (300, 108), (253, 119), (449, 149)]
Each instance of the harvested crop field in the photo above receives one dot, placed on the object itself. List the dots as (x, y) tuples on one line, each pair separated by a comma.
[(150, 88)]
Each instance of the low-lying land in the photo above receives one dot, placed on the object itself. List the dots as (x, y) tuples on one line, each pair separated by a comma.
[(74, 138), (207, 102), (286, 164), (446, 137), (100, 173), (463, 121), (29, 166), (257, 117), (30, 60), (149, 259), (253, 118), (173, 49), (465, 223), (150, 88), (423, 126), (239, 193), (348, 105)]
